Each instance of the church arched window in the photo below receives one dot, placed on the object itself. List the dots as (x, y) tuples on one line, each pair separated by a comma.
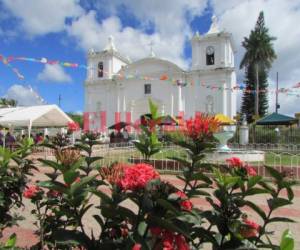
[(209, 105), (100, 69), (210, 55)]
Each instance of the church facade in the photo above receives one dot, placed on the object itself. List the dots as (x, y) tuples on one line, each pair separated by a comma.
[(118, 90)]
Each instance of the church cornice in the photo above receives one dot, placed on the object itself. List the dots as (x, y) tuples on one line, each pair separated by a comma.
[(213, 71), (105, 53)]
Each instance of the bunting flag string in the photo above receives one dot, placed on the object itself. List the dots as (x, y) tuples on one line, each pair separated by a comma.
[(6, 62), (294, 91)]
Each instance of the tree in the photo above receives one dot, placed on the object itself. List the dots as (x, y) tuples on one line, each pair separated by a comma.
[(4, 102), (76, 118), (257, 61)]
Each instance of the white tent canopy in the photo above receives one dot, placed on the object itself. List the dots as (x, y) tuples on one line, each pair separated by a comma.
[(34, 116)]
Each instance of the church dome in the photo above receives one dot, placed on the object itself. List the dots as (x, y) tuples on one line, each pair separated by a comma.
[(151, 66)]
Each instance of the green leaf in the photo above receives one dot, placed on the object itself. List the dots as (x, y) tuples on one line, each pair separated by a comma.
[(183, 161), (127, 213), (153, 109), (202, 177), (54, 185), (68, 237), (142, 228), (274, 173), (84, 148), (230, 181), (253, 180), (256, 208), (104, 197), (290, 193), (99, 220), (11, 242), (254, 191), (70, 176), (168, 206), (287, 241), (197, 158), (90, 160), (52, 164), (278, 202), (75, 187), (189, 218), (268, 187), (280, 219)]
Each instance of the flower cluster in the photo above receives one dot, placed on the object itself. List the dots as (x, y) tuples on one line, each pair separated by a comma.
[(67, 156), (201, 127), (170, 240), (114, 173), (31, 191), (184, 202), (250, 229), (236, 162), (137, 176), (73, 126)]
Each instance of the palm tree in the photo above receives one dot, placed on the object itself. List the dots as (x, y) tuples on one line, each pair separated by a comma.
[(259, 53)]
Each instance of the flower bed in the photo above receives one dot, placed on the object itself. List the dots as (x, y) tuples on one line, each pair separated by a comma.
[(165, 216)]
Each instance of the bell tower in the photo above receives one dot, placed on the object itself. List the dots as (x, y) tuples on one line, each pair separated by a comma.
[(213, 50), (104, 64)]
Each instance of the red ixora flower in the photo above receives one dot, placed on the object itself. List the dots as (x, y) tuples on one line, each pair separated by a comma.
[(250, 171), (137, 176), (73, 126), (171, 241), (31, 191), (251, 230), (236, 162), (53, 193), (201, 126), (184, 203), (137, 246)]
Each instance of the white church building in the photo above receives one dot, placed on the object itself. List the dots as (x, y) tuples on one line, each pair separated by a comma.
[(118, 90)]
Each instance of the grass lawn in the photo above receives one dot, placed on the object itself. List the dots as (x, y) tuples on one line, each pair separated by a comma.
[(271, 159)]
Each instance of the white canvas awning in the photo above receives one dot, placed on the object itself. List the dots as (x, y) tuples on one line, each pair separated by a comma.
[(34, 116)]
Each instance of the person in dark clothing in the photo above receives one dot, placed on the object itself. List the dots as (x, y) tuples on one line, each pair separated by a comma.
[(9, 140)]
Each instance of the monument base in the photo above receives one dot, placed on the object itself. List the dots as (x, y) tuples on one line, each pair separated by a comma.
[(220, 156)]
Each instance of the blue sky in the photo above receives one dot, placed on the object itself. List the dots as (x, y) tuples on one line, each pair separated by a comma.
[(65, 29)]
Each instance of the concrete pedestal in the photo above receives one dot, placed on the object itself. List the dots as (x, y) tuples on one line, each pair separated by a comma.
[(244, 135)]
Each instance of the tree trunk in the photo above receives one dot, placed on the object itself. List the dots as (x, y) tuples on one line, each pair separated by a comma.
[(257, 93)]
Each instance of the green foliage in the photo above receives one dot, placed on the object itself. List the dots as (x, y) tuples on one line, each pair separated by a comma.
[(14, 169), (257, 59), (4, 102), (148, 143), (64, 198), (86, 144), (287, 241)]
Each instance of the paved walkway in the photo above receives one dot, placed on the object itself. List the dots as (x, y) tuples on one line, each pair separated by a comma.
[(26, 237)]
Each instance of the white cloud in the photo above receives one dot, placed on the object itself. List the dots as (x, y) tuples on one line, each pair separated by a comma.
[(131, 42), (54, 73), (25, 96), (281, 17), (43, 16)]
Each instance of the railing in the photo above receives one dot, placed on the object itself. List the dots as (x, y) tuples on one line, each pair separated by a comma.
[(276, 155)]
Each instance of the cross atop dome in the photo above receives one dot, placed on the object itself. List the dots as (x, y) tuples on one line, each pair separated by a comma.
[(152, 54), (214, 27), (110, 46)]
